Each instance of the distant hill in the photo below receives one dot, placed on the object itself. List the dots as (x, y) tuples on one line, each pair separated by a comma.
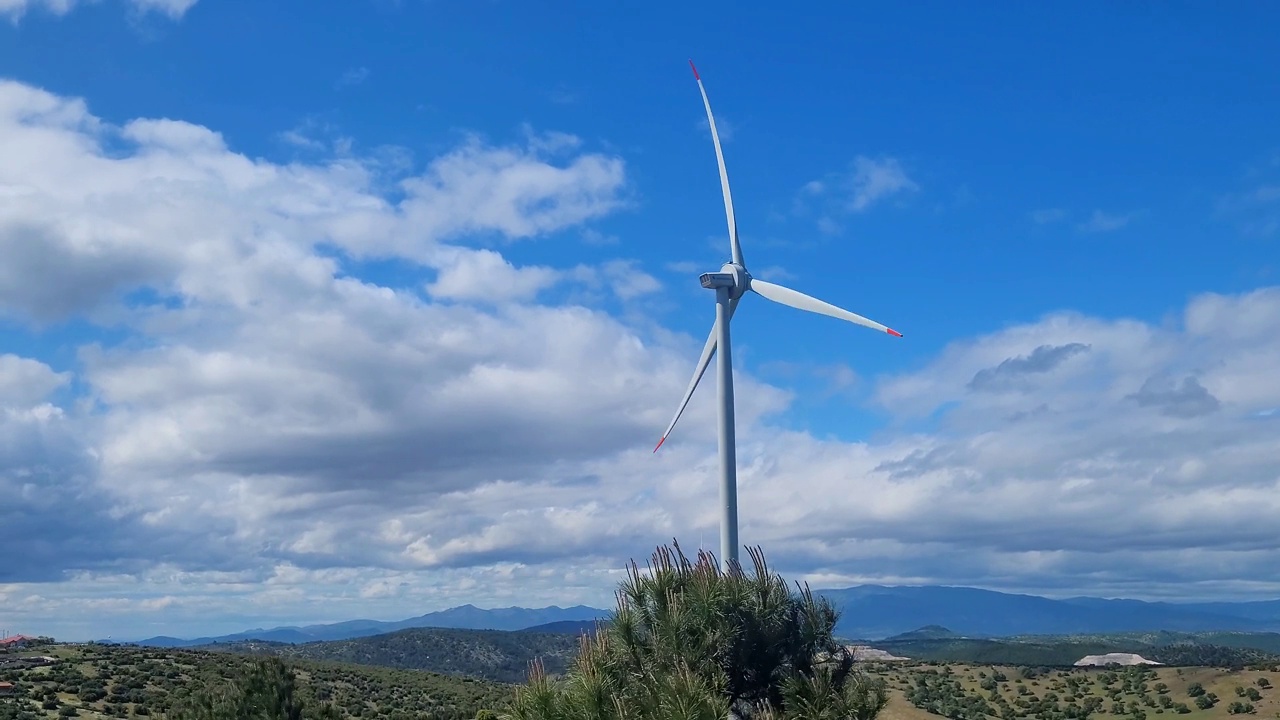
[(875, 611), (501, 655), (467, 617), (928, 632), (572, 627), (1067, 650)]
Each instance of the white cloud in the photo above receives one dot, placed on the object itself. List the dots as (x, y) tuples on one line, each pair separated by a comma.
[(484, 275), (774, 273), (1101, 221), (725, 129), (1047, 216), (352, 77), (869, 182), (1257, 210), (628, 281), (25, 382), (278, 436), (173, 8), (876, 180), (15, 9), (591, 236)]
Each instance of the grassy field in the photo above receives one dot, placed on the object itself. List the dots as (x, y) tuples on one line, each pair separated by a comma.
[(124, 682)]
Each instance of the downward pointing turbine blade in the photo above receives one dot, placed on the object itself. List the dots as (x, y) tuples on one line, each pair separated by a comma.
[(734, 248), (800, 301), (708, 351)]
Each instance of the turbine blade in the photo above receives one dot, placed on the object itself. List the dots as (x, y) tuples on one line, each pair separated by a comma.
[(800, 301), (734, 248), (708, 351)]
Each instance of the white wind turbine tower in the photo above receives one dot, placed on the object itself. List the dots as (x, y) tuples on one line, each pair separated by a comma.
[(730, 284)]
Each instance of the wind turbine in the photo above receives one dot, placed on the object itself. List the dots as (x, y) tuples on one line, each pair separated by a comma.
[(731, 283)]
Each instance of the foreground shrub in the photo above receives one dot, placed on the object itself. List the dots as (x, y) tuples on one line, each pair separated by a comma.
[(689, 641)]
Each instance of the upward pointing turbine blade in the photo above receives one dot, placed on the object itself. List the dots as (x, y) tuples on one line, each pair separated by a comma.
[(708, 351), (734, 248), (800, 301)]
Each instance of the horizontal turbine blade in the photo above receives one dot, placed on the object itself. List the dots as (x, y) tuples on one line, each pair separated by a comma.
[(735, 249), (800, 301), (708, 351)]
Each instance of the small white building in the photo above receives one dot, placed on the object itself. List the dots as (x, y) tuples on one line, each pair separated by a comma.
[(1116, 659)]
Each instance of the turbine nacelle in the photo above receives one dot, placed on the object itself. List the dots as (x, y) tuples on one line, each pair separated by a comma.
[(732, 276)]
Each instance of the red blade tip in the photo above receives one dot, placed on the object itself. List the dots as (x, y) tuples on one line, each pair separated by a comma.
[(893, 332), (664, 439), (695, 70)]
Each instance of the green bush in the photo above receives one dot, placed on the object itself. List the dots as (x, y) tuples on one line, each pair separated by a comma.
[(688, 640)]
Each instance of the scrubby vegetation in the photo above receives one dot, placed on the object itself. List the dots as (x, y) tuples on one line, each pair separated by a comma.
[(969, 692), (126, 682)]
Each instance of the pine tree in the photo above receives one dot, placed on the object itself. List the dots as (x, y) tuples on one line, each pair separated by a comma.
[(692, 642)]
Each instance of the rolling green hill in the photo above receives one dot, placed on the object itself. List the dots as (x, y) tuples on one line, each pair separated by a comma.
[(498, 655)]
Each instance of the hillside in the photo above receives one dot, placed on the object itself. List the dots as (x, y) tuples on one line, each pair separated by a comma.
[(1063, 651), (505, 656), (106, 681), (497, 655), (1265, 641)]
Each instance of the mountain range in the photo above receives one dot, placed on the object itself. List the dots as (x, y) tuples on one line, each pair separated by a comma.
[(876, 611), (467, 617), (868, 612)]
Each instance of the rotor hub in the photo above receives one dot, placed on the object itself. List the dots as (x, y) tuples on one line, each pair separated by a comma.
[(732, 276)]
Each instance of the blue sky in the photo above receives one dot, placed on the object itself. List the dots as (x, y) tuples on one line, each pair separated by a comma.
[(989, 182)]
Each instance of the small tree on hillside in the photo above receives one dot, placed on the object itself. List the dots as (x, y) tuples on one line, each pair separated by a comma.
[(267, 691), (690, 641)]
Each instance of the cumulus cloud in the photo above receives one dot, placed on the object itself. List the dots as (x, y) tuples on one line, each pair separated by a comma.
[(25, 382), (1095, 456), (1186, 400), (485, 275), (267, 430), (296, 413), (54, 514)]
